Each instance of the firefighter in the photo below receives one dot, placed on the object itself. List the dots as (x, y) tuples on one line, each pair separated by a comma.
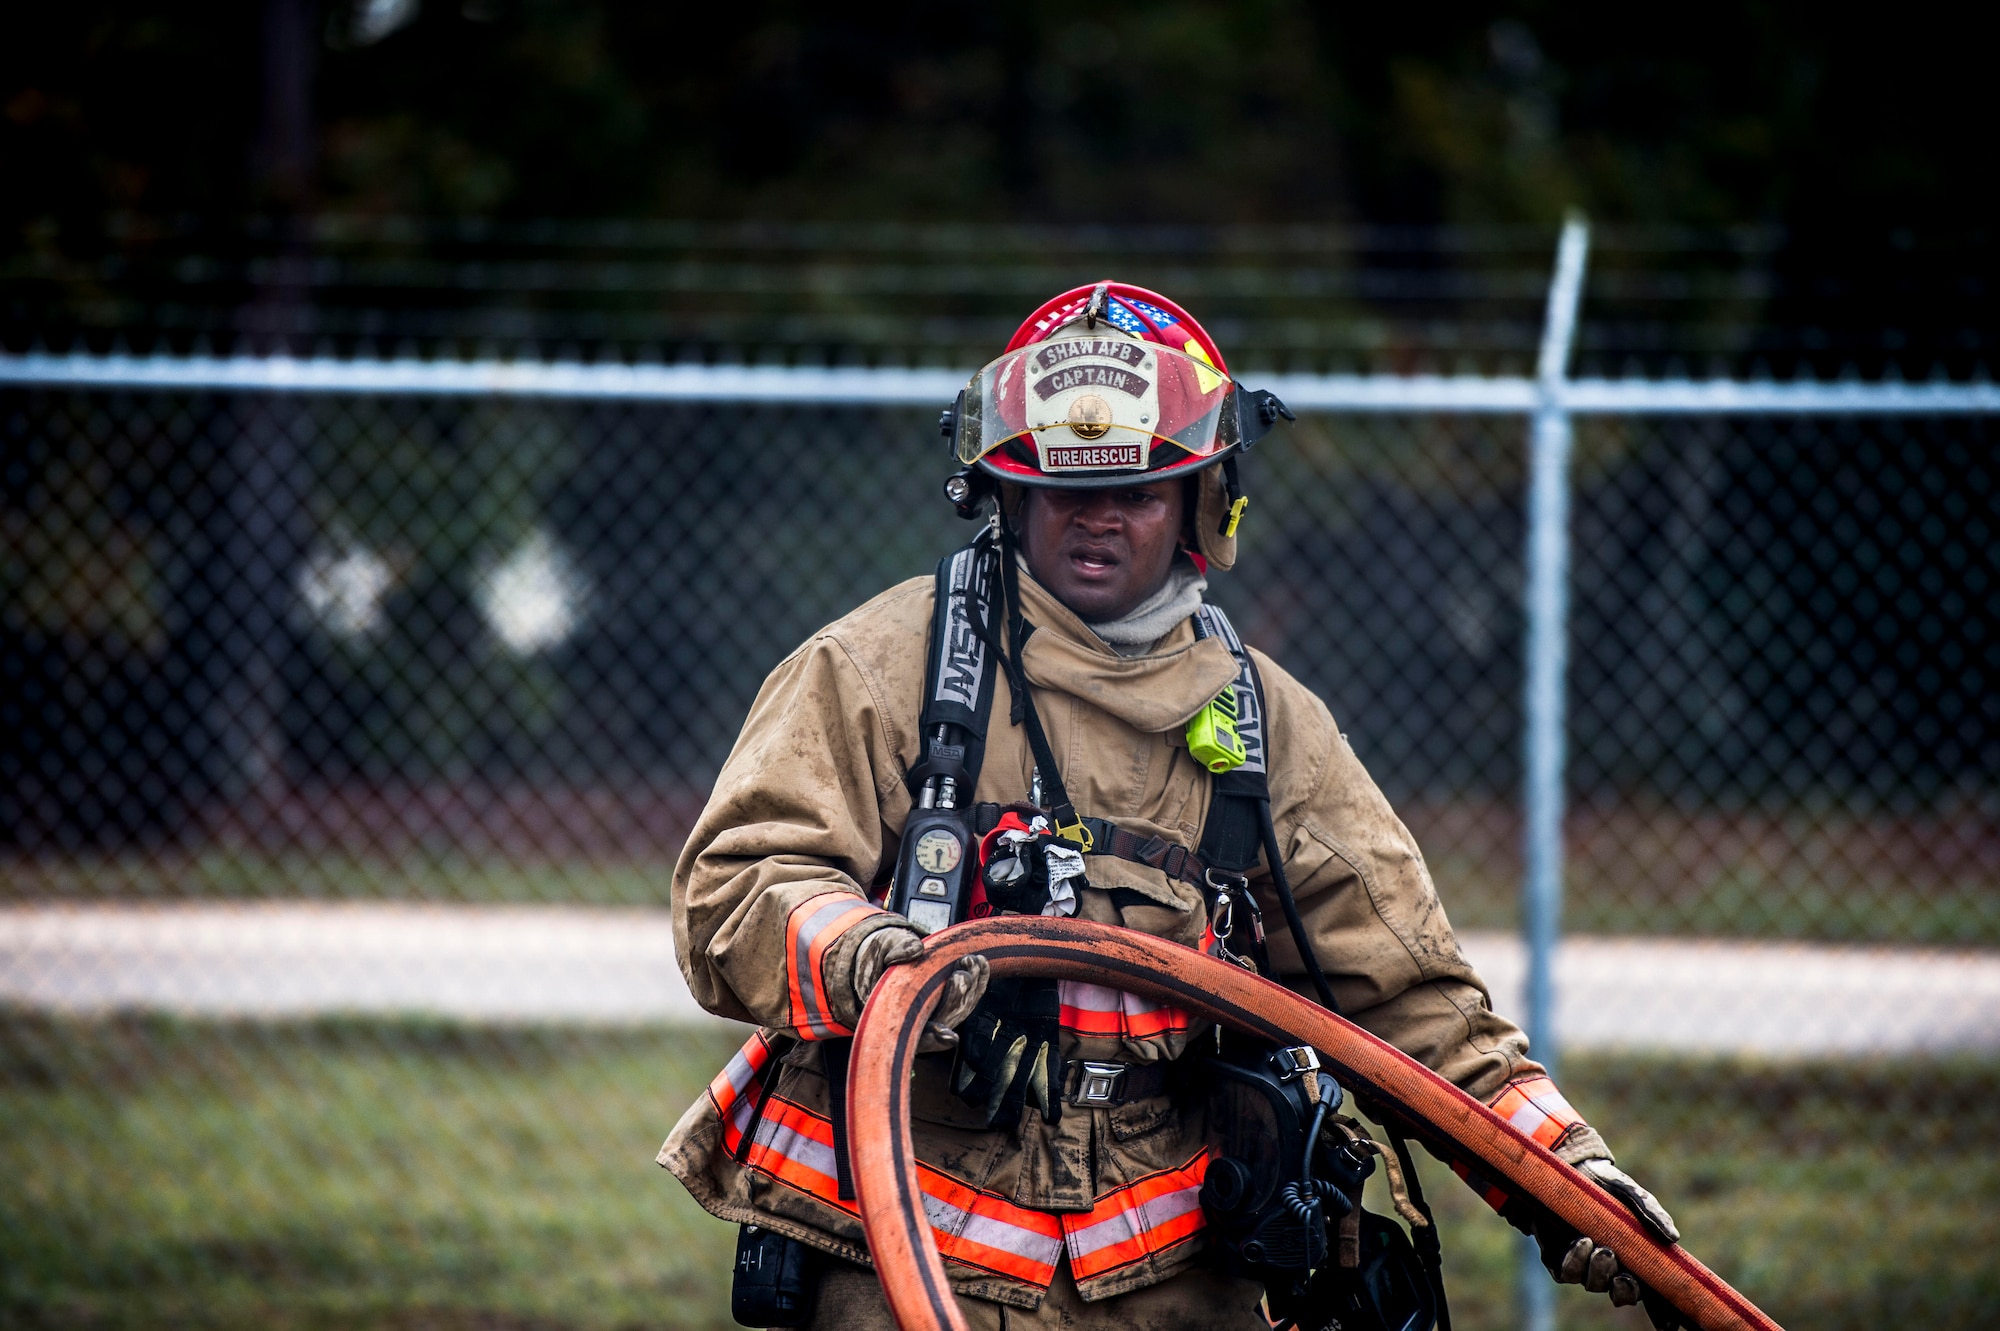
[(1061, 1150)]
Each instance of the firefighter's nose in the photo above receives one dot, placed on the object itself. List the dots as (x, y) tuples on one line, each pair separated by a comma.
[(1100, 514)]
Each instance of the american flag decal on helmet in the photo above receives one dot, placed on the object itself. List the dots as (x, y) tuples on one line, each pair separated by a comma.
[(1120, 317)]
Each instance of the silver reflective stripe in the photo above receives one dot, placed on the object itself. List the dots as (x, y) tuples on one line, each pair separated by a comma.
[(991, 1232), (796, 1147), (1133, 1221), (740, 1069)]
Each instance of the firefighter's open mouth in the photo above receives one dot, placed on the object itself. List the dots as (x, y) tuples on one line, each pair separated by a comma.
[(1094, 563)]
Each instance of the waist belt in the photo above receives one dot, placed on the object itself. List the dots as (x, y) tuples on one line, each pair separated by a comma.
[(1095, 1085)]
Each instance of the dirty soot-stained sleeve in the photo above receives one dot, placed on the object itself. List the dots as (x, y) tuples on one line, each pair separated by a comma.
[(769, 895), (1371, 908)]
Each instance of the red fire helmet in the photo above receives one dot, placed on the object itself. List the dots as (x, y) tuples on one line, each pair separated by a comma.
[(1104, 385)]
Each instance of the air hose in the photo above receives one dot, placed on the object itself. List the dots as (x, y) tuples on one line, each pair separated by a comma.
[(1303, 1195), (1276, 860)]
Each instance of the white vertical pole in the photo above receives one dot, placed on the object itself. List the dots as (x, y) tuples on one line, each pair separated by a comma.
[(1546, 602)]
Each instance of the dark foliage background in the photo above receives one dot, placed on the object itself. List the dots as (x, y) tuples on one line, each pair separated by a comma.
[(1811, 116)]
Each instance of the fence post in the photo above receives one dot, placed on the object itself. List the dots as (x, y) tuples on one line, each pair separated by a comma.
[(1546, 603)]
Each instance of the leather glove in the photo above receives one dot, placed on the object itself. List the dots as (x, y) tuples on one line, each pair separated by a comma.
[(1574, 1259), (893, 946), (1008, 1057), (1637, 1200)]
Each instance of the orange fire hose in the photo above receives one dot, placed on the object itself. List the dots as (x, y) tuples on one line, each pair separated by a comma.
[(885, 1045)]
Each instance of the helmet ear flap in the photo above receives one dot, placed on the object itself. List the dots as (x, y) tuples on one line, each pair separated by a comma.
[(1211, 516), (1013, 498)]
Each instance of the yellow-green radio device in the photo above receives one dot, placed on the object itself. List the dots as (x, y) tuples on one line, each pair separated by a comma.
[(1212, 737)]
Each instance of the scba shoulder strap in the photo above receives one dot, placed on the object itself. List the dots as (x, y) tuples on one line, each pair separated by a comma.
[(959, 671), (960, 675), (1232, 835)]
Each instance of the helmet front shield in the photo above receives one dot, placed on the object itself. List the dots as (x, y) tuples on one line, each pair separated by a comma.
[(1095, 406)]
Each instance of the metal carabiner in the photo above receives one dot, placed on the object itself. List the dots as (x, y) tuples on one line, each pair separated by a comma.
[(1223, 922), (1227, 887)]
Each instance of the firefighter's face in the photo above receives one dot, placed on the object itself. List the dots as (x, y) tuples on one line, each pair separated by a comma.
[(1102, 552)]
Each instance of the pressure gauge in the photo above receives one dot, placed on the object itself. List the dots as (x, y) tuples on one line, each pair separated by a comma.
[(938, 851), (930, 886)]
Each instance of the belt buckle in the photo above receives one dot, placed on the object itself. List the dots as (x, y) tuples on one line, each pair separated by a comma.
[(1102, 1084), (1295, 1061)]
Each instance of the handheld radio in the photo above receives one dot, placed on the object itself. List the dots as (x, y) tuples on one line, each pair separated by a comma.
[(1211, 733)]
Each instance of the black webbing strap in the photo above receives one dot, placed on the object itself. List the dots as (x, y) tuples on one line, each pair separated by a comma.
[(1239, 818), (1231, 836), (833, 1056), (1108, 838), (1230, 839), (768, 1084), (1429, 1251)]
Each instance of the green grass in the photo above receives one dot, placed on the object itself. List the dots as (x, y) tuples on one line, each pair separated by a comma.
[(1740, 902), (221, 875), (1837, 1197), (1638, 867), (350, 1174), (405, 1175)]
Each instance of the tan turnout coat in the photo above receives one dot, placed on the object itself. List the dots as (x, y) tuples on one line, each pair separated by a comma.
[(771, 898)]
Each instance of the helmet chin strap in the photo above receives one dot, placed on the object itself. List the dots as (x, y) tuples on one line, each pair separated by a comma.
[(1232, 484)]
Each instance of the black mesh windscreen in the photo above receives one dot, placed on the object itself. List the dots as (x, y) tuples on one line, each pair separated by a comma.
[(347, 745)]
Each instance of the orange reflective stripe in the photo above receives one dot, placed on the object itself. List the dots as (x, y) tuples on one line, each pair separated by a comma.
[(1094, 1009), (810, 930), (1154, 1021), (1537, 1108), (734, 1090), (795, 1146), (737, 1075), (1137, 1220), (1479, 1183), (1090, 1009), (985, 1230)]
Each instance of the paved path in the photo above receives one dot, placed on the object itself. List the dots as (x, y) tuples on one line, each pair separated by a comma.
[(485, 963), (530, 963)]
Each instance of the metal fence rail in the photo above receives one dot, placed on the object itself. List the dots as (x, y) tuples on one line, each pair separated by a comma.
[(1499, 395), (478, 631)]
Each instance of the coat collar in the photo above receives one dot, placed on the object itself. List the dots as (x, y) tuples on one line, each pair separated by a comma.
[(1153, 693)]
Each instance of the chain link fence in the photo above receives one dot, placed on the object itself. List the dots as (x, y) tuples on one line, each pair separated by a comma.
[(346, 744)]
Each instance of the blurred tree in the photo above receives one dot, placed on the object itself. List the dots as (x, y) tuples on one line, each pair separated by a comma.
[(416, 507), (152, 112), (1180, 110)]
